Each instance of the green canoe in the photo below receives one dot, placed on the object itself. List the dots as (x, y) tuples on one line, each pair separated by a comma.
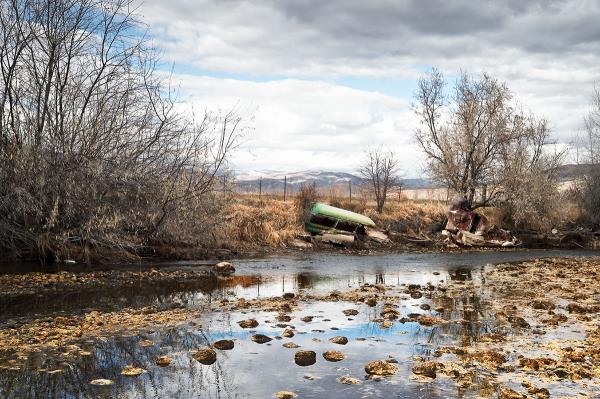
[(326, 218)]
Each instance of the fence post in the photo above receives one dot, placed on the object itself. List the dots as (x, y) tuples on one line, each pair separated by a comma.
[(260, 189), (350, 189), (284, 187)]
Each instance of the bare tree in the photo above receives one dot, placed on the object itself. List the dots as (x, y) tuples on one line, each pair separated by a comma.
[(462, 134), (477, 140), (590, 192), (592, 127), (92, 149), (379, 168)]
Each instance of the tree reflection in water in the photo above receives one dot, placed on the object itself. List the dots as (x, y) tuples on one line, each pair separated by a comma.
[(184, 378), (240, 372)]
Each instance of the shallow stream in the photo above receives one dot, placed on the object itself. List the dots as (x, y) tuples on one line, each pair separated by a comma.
[(253, 370)]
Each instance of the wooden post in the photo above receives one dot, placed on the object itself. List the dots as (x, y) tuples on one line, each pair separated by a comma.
[(284, 187), (260, 189), (350, 189)]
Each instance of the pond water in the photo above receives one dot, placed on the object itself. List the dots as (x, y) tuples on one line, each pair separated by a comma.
[(253, 370)]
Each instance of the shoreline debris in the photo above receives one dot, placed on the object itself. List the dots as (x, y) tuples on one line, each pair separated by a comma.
[(465, 227)]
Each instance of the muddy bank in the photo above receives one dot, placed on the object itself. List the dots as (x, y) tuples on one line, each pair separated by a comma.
[(425, 241), (23, 296), (63, 281)]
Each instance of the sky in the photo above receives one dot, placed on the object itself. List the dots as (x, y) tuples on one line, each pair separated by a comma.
[(318, 82)]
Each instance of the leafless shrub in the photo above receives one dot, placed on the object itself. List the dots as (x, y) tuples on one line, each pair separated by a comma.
[(591, 197), (306, 196), (92, 150), (534, 204)]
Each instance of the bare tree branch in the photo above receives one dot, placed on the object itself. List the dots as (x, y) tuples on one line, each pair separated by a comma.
[(380, 169)]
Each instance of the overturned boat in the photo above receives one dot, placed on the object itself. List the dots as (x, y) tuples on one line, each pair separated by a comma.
[(329, 219)]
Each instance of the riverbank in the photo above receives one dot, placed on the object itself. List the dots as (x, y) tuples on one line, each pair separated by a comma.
[(456, 323), (247, 226)]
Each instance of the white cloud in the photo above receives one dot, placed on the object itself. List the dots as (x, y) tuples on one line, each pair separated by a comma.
[(301, 124), (547, 51)]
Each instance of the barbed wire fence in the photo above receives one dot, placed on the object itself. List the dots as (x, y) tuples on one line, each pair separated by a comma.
[(277, 188), (281, 188)]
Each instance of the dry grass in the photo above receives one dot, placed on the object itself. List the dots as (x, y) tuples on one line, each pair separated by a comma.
[(251, 223), (409, 216), (426, 212), (273, 222), (418, 214)]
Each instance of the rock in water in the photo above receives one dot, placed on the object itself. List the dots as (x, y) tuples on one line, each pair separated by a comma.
[(224, 344), (339, 340), (285, 307), (305, 358), (205, 356), (248, 323), (307, 319), (333, 356), (288, 295), (386, 324), (223, 268), (427, 369), (507, 393), (346, 379), (285, 395), (163, 361), (426, 320), (380, 367), (130, 371), (519, 322), (288, 333), (101, 382), (261, 339), (290, 345), (284, 318), (371, 302), (542, 304), (350, 312), (390, 313)]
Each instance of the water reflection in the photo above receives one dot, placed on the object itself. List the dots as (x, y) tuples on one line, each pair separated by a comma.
[(252, 370)]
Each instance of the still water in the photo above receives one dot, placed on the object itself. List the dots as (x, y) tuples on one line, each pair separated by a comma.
[(253, 370)]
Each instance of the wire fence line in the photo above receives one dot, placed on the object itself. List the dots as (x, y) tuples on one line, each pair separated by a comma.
[(271, 187), (283, 189)]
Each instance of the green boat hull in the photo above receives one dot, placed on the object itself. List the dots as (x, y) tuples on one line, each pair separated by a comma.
[(340, 215)]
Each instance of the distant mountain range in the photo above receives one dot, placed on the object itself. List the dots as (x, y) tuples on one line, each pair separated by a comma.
[(274, 180)]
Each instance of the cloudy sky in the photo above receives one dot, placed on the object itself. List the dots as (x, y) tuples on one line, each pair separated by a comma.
[(323, 80)]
